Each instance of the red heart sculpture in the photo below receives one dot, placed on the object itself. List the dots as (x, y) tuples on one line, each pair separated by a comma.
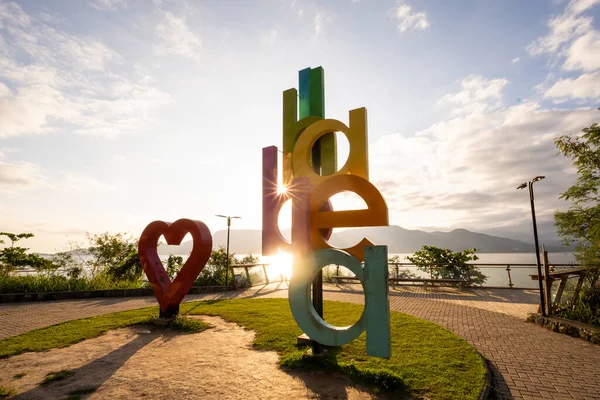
[(169, 294)]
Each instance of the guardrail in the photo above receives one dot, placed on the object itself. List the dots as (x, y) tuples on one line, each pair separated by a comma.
[(508, 267)]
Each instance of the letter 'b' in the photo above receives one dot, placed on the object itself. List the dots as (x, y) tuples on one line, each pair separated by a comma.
[(375, 318)]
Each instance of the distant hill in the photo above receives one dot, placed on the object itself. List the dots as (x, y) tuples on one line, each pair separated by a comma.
[(399, 240)]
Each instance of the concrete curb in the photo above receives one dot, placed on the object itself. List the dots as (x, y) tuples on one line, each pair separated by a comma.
[(565, 326), (88, 294), (486, 391)]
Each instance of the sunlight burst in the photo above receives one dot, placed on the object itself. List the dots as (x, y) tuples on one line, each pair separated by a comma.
[(281, 265)]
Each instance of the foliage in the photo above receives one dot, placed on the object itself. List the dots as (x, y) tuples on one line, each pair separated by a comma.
[(213, 273), (174, 264), (115, 254), (400, 273), (74, 331), (585, 309), (427, 361), (57, 283), (454, 264), (14, 257), (580, 224), (6, 392)]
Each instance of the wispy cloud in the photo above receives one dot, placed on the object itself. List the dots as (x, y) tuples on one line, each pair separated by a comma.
[(270, 37), (477, 94), (586, 86), (407, 19), (108, 5), (67, 80), (474, 159), (515, 60), (319, 22), (563, 28), (20, 175), (573, 44), (80, 183), (176, 38)]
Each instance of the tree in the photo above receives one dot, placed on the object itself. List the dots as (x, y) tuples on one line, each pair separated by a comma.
[(454, 264), (580, 224), (214, 271), (115, 255), (14, 257)]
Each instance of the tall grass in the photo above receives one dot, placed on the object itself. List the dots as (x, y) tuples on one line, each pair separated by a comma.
[(40, 283)]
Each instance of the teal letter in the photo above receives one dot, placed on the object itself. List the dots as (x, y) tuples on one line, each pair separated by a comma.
[(376, 315)]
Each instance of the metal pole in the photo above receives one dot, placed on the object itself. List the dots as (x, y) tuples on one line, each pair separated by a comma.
[(227, 270), (537, 250)]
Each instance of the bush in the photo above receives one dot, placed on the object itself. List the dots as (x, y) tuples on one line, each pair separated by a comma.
[(586, 308), (454, 264)]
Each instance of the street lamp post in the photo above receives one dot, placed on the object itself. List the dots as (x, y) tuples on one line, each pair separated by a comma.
[(229, 218), (535, 235)]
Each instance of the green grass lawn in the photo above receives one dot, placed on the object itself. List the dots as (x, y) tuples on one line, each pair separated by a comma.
[(427, 360)]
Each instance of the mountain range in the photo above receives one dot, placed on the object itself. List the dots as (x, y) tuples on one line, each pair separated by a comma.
[(398, 240)]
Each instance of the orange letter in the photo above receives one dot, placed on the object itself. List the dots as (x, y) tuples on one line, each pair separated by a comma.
[(376, 213)]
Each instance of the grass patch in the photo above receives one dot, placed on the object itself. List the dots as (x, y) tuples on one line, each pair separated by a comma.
[(39, 283), (19, 375), (5, 392), (57, 376), (70, 332), (427, 361), (77, 394), (189, 325)]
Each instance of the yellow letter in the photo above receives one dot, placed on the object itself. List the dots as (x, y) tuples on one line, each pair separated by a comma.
[(357, 163)]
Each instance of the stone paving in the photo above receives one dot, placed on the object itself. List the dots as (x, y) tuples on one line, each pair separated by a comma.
[(527, 361)]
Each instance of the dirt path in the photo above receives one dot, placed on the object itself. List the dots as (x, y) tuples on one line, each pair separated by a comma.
[(157, 363)]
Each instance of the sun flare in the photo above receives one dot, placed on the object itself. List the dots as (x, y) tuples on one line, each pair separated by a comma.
[(281, 265)]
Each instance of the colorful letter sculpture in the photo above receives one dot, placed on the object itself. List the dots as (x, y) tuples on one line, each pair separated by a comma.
[(376, 315), (311, 178), (169, 294)]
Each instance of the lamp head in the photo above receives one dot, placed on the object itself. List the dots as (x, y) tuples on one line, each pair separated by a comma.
[(538, 178), (522, 186)]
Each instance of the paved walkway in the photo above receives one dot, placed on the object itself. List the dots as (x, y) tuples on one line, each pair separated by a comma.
[(527, 361)]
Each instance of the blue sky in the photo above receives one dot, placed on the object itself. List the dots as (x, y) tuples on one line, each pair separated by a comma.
[(114, 113)]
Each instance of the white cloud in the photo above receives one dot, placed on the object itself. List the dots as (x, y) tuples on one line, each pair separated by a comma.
[(108, 5), (4, 90), (270, 37), (564, 28), (476, 94), (24, 175), (78, 183), (5, 150), (515, 60), (584, 53), (297, 8), (463, 171), (579, 6), (407, 19), (319, 23), (586, 86), (176, 38), (67, 81)]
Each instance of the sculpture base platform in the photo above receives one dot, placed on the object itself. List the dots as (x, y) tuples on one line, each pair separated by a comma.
[(303, 340)]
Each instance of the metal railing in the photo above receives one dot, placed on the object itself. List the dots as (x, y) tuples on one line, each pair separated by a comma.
[(508, 267)]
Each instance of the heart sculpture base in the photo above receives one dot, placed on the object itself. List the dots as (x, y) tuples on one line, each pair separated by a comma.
[(170, 293), (171, 312)]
